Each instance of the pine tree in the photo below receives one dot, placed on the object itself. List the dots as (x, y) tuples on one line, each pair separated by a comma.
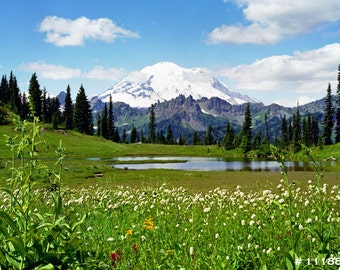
[(14, 94), (133, 136), (4, 90), (284, 132), (328, 122), (169, 136), (152, 125), (104, 129), (266, 135), (55, 111), (297, 130), (35, 96), (337, 116), (229, 137), (196, 138), (315, 133), (246, 133), (44, 110), (82, 116), (110, 122), (68, 109), (25, 109), (208, 138)]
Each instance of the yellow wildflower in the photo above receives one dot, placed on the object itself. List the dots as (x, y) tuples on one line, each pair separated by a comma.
[(129, 232), (148, 224)]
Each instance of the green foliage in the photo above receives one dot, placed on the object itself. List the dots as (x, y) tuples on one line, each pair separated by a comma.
[(246, 133), (32, 236), (82, 117), (35, 96), (328, 121)]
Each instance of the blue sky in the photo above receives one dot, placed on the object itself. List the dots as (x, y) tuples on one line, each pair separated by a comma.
[(280, 51)]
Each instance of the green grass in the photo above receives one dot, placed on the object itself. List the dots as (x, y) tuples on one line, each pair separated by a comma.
[(161, 219), (82, 171)]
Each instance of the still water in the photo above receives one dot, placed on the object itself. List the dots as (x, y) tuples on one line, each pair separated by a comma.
[(209, 164)]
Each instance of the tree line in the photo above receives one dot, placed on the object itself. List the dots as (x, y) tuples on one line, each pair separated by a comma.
[(294, 131)]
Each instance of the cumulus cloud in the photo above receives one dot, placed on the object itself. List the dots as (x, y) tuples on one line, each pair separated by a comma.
[(100, 73), (57, 72), (50, 71), (67, 32), (268, 22), (302, 73)]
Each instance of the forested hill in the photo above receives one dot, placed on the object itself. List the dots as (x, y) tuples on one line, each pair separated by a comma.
[(186, 115)]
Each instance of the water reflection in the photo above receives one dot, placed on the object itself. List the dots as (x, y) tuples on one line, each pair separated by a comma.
[(209, 164)]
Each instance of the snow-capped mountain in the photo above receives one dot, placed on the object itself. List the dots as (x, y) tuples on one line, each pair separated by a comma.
[(165, 81)]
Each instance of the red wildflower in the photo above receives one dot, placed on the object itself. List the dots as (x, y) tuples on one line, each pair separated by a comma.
[(115, 257), (134, 246)]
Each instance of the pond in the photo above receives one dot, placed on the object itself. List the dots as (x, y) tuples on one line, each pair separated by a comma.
[(209, 164)]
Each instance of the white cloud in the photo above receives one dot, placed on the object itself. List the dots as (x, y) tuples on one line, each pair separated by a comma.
[(100, 73), (303, 73), (269, 21), (50, 71), (67, 32)]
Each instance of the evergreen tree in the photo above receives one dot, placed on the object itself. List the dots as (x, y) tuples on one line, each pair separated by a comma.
[(169, 136), (284, 132), (25, 109), (99, 124), (229, 137), (266, 135), (208, 138), (14, 94), (181, 140), (315, 133), (337, 116), (35, 96), (246, 133), (124, 138), (328, 122), (110, 122), (68, 110), (160, 137), (4, 90), (152, 124), (55, 111), (305, 138), (133, 136), (82, 116), (45, 108), (104, 122), (196, 138), (297, 130)]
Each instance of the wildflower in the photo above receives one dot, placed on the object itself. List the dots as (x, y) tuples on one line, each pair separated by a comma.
[(148, 224), (239, 247), (206, 210), (217, 235), (90, 228), (142, 238), (191, 251), (129, 232), (115, 257), (110, 239), (134, 247)]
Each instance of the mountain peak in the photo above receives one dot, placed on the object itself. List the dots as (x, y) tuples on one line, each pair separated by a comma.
[(166, 80)]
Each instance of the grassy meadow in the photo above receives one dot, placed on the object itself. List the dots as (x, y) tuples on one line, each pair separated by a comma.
[(55, 213)]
